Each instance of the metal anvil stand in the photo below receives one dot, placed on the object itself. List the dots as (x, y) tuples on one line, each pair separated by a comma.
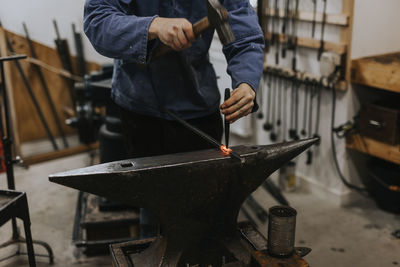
[(196, 196)]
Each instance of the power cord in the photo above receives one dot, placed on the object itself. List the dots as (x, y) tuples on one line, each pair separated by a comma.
[(331, 82)]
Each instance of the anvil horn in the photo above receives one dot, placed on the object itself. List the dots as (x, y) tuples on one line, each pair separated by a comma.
[(194, 194)]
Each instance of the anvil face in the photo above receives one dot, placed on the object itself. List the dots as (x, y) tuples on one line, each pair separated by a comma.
[(196, 195)]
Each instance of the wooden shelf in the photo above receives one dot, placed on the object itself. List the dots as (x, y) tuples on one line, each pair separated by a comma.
[(374, 148), (339, 48), (333, 19), (59, 154), (381, 71)]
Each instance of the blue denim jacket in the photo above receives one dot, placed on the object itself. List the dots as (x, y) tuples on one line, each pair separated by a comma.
[(184, 82)]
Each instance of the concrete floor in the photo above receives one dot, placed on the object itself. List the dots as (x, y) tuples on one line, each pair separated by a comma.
[(357, 235)]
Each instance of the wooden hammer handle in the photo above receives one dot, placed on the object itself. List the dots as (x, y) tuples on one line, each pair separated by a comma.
[(198, 28)]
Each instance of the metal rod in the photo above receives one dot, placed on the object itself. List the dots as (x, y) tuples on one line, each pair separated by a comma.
[(226, 123), (32, 96), (294, 36), (276, 33), (314, 20), (267, 124), (260, 94), (45, 87), (201, 133), (56, 29), (285, 26), (322, 43)]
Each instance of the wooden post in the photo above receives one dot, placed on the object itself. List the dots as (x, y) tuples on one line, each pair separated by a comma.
[(10, 94)]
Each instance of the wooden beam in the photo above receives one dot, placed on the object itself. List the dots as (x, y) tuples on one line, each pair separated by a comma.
[(341, 85), (339, 48), (307, 16), (381, 71), (374, 148), (346, 37), (59, 154), (10, 94)]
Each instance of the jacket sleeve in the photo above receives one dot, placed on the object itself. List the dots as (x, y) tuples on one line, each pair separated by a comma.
[(114, 32), (245, 55)]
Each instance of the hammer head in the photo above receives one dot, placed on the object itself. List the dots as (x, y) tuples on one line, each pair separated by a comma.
[(218, 18)]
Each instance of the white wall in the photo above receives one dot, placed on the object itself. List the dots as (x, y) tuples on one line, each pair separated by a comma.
[(39, 15)]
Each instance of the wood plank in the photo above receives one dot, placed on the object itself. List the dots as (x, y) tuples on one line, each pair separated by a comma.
[(28, 122), (332, 19), (381, 71), (59, 154), (374, 148), (10, 94), (341, 85), (339, 48), (346, 36)]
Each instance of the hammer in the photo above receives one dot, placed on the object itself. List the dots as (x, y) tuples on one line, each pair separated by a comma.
[(217, 17)]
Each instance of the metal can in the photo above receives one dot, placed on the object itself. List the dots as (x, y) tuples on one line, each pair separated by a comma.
[(287, 177)]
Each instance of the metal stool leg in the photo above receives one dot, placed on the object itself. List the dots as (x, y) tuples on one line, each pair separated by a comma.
[(29, 243)]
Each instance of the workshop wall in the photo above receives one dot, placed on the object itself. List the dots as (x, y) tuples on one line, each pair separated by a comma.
[(39, 15), (373, 33)]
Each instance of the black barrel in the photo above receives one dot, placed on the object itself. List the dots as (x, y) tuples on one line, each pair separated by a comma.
[(281, 231)]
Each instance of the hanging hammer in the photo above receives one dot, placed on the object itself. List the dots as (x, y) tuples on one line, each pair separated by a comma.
[(217, 17)]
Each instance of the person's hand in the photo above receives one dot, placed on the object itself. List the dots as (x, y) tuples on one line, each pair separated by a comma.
[(239, 104), (177, 33)]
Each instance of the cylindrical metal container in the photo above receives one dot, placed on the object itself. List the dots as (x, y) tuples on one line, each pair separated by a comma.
[(281, 231)]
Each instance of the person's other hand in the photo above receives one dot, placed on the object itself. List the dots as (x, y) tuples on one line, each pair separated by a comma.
[(177, 33), (239, 104)]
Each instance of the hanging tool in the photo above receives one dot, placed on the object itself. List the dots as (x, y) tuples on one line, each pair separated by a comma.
[(217, 17), (227, 124), (79, 52), (310, 119), (267, 23), (285, 27), (322, 43), (267, 125), (263, 17), (294, 39), (45, 87), (276, 32), (205, 136), (284, 120), (306, 89), (65, 58), (314, 20), (273, 136), (32, 95), (296, 111), (279, 119), (294, 116), (316, 133), (260, 94)]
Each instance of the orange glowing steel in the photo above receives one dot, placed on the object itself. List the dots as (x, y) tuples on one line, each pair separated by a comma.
[(225, 150)]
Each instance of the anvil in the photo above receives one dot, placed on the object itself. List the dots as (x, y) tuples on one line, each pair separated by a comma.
[(195, 195)]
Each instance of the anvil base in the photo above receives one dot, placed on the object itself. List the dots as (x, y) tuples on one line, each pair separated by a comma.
[(128, 253)]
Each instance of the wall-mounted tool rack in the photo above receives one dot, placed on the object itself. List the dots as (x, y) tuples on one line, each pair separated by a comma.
[(344, 21)]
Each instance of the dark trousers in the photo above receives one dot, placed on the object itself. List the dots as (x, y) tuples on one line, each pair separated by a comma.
[(146, 136), (150, 136)]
